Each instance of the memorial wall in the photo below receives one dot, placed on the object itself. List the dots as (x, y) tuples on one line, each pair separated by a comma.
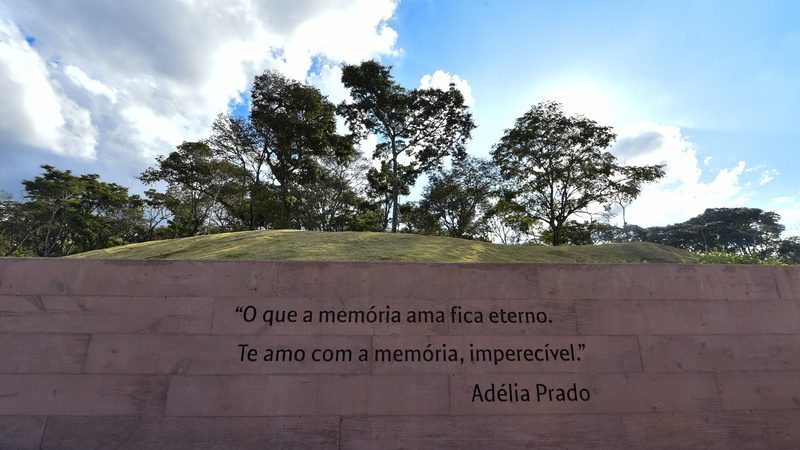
[(231, 354)]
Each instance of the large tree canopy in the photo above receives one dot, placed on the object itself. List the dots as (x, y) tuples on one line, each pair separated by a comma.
[(66, 214), (556, 166), (258, 171), (290, 128), (196, 186), (416, 128)]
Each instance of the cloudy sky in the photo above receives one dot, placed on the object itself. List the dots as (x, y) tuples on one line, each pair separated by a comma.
[(710, 88)]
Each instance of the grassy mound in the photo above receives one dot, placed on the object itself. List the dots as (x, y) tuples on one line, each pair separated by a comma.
[(353, 246)]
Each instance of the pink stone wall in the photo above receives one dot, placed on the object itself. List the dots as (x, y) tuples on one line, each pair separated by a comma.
[(144, 354)]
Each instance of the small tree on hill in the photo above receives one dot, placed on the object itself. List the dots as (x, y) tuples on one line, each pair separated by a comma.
[(459, 198)]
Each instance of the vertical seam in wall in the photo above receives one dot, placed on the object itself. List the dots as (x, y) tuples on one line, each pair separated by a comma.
[(213, 312), (719, 392), (639, 345), (44, 430), (276, 277), (775, 281), (340, 433), (539, 295), (575, 315), (86, 356), (449, 303), (370, 284), (167, 389), (449, 395)]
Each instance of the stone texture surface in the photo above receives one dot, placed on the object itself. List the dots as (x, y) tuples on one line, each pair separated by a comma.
[(43, 353), (721, 353), (105, 314), (147, 354), (82, 395), (307, 395), (679, 317), (481, 432), (118, 433), (21, 431)]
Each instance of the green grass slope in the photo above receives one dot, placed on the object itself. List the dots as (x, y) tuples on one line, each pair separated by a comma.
[(354, 246)]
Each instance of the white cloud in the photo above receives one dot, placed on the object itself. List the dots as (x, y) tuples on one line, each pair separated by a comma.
[(788, 207), (767, 176), (441, 80), (344, 31), (683, 193), (35, 111), (367, 147), (81, 79), (152, 128), (129, 80), (329, 82), (591, 97)]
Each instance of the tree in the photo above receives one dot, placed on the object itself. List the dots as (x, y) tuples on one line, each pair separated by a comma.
[(574, 233), (603, 233), (66, 214), (336, 200), (278, 150), (416, 129), (380, 188), (508, 223), (789, 250), (235, 141), (17, 226), (749, 232), (419, 220), (158, 209), (556, 166), (744, 231), (196, 183), (252, 171), (459, 198), (295, 127)]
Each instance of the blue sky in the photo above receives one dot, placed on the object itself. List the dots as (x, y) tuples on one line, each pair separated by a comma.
[(725, 74), (709, 88)]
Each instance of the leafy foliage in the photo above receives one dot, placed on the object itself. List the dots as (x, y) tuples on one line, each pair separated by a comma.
[(284, 166), (456, 202), (744, 231), (789, 250), (416, 128), (66, 214), (723, 235), (195, 184), (555, 166)]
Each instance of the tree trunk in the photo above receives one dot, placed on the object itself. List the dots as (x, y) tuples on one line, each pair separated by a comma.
[(395, 190), (556, 235), (252, 224), (624, 222), (394, 207)]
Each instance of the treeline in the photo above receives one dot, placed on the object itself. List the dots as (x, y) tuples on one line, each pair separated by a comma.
[(64, 214), (284, 165), (749, 232)]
